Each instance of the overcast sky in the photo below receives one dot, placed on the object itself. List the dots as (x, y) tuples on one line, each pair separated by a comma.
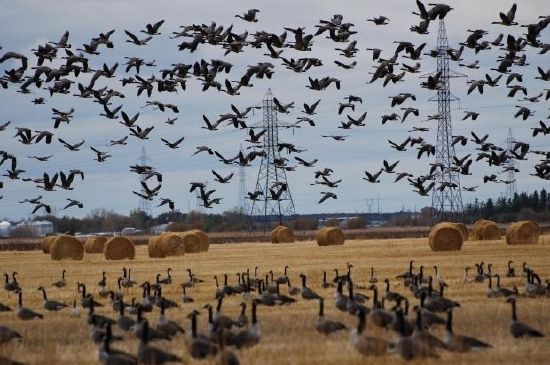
[(26, 24)]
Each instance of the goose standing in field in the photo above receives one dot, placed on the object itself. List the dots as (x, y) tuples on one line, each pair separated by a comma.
[(12, 286), (423, 335), (510, 272), (109, 356), (340, 300), (429, 318), (124, 322), (372, 278), (61, 283), (167, 279), (25, 313), (505, 291), (390, 295), (377, 314), (152, 334), (199, 345), (243, 318), (459, 343), (150, 355), (365, 345), (520, 329), (7, 334), (186, 298), (492, 292), (307, 293), (167, 326), (409, 347), (407, 327), (325, 283), (127, 281), (86, 299), (225, 356), (283, 279), (252, 335), (51, 305), (97, 320), (292, 290), (326, 326)]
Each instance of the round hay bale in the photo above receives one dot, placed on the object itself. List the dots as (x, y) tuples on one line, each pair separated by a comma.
[(191, 242), (66, 247), (285, 235), (205, 242), (95, 244), (47, 243), (463, 230), (155, 248), (329, 236), (445, 236), (274, 231), (523, 233), (119, 248), (544, 240), (485, 230), (172, 244)]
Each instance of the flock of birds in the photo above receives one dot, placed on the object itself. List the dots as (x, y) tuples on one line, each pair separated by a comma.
[(61, 68), (413, 328)]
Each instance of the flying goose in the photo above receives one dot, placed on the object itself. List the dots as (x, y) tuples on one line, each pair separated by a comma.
[(520, 329), (51, 305), (25, 313)]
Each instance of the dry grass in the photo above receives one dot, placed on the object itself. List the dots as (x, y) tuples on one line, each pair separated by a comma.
[(288, 335)]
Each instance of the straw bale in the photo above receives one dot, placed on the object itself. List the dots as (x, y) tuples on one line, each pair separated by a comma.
[(95, 244), (523, 233), (445, 236), (329, 236), (66, 247), (119, 248)]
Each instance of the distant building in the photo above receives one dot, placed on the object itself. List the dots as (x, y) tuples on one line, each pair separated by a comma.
[(5, 228), (38, 228)]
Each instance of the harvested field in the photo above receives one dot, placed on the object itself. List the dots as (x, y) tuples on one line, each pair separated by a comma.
[(288, 332)]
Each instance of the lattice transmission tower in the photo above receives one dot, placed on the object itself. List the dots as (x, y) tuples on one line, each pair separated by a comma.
[(447, 202), (267, 209), (144, 204), (511, 167)]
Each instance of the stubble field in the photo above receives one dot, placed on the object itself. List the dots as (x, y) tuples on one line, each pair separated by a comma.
[(288, 334)]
